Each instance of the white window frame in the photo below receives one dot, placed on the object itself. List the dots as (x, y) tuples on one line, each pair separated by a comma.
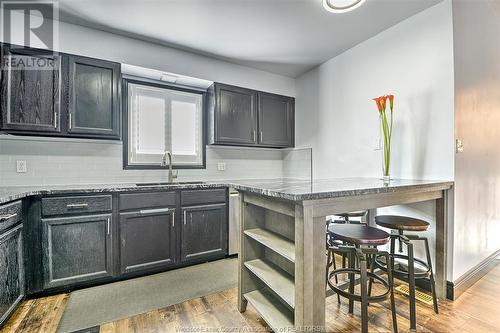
[(133, 160)]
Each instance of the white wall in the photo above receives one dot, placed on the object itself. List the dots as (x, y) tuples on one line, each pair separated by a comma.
[(99, 44), (412, 60), (477, 112), (337, 117)]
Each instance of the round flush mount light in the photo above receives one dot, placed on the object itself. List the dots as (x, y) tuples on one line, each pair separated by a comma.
[(341, 6)]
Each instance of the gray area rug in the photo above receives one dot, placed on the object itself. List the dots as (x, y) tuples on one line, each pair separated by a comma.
[(103, 304)]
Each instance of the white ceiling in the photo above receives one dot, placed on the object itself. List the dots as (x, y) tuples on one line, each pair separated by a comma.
[(287, 37)]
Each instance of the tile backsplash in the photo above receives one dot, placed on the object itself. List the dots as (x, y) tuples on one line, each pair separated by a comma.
[(52, 161)]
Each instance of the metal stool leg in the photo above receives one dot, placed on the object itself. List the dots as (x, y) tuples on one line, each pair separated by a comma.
[(393, 243), (400, 233), (336, 278), (364, 293), (433, 284), (351, 281), (411, 282), (390, 264), (330, 261), (372, 270)]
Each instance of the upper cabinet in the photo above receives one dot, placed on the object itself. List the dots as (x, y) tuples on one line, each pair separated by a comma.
[(276, 120), (244, 117), (46, 93), (235, 115), (31, 91), (93, 97)]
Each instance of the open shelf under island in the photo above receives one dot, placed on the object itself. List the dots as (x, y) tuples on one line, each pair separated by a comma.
[(282, 258)]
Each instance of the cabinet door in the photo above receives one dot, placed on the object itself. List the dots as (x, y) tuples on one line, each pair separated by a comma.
[(11, 271), (203, 232), (94, 106), (147, 240), (30, 91), (76, 249), (235, 115), (276, 120)]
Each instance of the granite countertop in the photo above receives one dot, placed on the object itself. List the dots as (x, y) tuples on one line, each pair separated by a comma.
[(288, 189), (332, 188)]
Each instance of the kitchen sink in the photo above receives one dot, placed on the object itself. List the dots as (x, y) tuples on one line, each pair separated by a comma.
[(167, 183)]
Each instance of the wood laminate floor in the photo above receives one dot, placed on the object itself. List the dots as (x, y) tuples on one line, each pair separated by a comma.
[(477, 310)]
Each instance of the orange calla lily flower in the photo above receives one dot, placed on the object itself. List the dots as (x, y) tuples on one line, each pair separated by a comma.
[(379, 106), (386, 123), (381, 103), (391, 101)]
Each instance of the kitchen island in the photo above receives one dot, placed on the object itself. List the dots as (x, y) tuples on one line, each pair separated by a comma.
[(282, 261)]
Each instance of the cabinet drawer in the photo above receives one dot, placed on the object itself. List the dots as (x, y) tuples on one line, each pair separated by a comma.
[(10, 214), (201, 197), (146, 200), (76, 205)]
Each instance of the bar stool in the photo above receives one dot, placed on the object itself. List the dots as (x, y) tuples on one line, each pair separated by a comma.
[(408, 267), (330, 242), (348, 216), (362, 241)]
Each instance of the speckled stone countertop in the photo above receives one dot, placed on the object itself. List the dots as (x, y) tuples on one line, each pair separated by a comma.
[(332, 188), (288, 189)]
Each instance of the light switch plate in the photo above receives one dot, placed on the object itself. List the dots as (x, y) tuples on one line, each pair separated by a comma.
[(21, 166), (221, 166)]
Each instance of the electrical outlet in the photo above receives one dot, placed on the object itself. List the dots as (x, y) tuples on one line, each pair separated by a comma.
[(459, 146), (21, 166), (221, 166)]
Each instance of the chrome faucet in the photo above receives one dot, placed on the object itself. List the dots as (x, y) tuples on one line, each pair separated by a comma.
[(171, 175)]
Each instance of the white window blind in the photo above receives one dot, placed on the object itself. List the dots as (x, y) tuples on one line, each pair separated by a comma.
[(163, 119)]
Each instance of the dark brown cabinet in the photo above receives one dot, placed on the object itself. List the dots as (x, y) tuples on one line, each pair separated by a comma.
[(57, 94), (81, 240), (11, 271), (235, 115), (245, 117), (93, 97), (276, 120), (76, 249), (203, 232), (147, 240), (30, 91)]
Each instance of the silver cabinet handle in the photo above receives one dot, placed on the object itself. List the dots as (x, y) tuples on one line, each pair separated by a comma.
[(4, 218), (70, 123), (261, 136), (173, 219), (108, 222), (254, 135), (55, 119), (153, 211), (184, 217), (77, 206)]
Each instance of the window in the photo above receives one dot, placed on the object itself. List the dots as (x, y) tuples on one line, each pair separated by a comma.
[(162, 118)]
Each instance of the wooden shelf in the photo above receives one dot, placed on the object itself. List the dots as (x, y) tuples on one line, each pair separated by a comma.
[(275, 278), (275, 314), (275, 242)]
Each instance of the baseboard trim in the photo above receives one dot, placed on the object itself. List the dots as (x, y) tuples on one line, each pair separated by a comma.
[(475, 274)]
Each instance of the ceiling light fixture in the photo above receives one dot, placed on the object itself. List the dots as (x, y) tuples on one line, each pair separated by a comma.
[(341, 6)]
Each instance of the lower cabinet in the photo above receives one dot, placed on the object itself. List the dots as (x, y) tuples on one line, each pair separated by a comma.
[(76, 249), (147, 240), (11, 271), (203, 232), (89, 239)]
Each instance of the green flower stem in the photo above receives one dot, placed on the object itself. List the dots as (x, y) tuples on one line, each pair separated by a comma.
[(387, 130)]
